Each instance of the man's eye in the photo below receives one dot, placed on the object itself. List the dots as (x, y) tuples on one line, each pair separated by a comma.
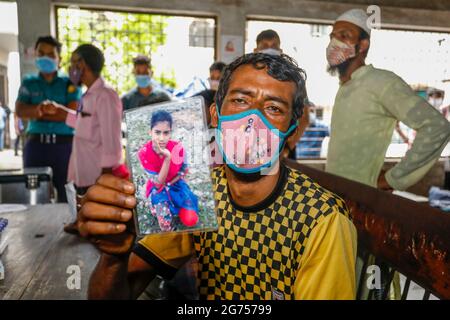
[(239, 101), (274, 109)]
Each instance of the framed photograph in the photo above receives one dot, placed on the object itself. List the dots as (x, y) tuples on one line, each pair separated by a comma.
[(169, 160)]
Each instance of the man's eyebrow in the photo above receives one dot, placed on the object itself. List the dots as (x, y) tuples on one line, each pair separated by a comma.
[(242, 91), (277, 99), (266, 98)]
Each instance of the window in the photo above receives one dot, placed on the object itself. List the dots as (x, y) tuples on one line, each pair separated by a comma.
[(201, 34), (123, 35)]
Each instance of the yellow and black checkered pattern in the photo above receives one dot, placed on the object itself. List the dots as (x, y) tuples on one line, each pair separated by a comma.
[(256, 255)]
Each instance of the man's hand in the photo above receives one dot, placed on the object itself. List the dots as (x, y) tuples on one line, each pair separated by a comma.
[(105, 217), (47, 108), (382, 184)]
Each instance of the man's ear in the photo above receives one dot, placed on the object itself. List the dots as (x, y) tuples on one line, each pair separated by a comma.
[(364, 46), (214, 116)]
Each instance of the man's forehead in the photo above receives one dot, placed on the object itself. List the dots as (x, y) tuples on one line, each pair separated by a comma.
[(269, 43), (249, 77), (142, 66), (46, 47), (75, 56), (340, 26)]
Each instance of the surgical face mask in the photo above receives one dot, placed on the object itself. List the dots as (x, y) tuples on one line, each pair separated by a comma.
[(75, 76), (436, 102), (248, 142), (46, 64), (143, 80), (271, 51), (213, 84), (339, 52)]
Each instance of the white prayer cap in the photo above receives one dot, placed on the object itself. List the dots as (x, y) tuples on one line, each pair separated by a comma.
[(356, 16)]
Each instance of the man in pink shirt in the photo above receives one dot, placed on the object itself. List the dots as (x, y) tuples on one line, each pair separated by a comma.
[(97, 147)]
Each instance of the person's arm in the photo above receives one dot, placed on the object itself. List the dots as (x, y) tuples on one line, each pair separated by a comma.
[(28, 111), (162, 175), (433, 133), (124, 101), (400, 132), (109, 112), (327, 267), (125, 269), (119, 277), (24, 108), (104, 218), (16, 124), (46, 112)]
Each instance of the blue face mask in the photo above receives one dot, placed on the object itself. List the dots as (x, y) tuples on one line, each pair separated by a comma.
[(143, 81), (248, 142), (46, 64)]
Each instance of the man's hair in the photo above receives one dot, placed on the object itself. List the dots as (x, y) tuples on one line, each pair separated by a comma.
[(218, 65), (92, 56), (160, 116), (141, 59), (267, 35), (49, 40), (282, 68)]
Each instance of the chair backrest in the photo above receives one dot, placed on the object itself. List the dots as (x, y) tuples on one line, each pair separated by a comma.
[(409, 237), (27, 186)]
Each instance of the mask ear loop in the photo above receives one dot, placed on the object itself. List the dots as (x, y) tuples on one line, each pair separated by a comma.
[(292, 127)]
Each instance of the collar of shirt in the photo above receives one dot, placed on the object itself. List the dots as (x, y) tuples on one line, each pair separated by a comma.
[(136, 92), (57, 76), (98, 84), (361, 71)]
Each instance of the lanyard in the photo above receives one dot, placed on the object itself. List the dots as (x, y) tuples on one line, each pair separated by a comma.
[(80, 107)]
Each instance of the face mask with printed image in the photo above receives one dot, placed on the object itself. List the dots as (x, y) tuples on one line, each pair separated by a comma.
[(248, 142)]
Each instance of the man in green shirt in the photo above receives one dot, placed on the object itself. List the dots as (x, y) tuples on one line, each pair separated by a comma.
[(367, 106)]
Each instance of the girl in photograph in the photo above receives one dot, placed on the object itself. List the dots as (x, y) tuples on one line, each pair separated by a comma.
[(164, 160)]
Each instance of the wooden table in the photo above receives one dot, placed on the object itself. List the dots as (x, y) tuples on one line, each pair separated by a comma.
[(39, 255)]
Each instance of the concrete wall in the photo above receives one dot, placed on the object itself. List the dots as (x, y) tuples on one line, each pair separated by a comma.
[(35, 16), (4, 58)]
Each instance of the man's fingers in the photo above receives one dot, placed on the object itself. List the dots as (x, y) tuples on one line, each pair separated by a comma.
[(93, 228), (99, 193), (116, 183), (97, 211)]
